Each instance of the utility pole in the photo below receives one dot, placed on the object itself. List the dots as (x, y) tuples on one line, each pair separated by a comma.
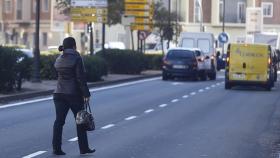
[(103, 37), (177, 29), (224, 14), (36, 64), (169, 21), (91, 38)]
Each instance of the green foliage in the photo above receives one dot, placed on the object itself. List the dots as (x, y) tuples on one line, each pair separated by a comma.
[(96, 67), (123, 61), (153, 61), (13, 64)]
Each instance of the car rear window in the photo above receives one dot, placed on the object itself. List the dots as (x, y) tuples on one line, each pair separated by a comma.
[(175, 54)]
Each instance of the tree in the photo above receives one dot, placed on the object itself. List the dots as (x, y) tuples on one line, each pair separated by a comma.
[(161, 18), (115, 9)]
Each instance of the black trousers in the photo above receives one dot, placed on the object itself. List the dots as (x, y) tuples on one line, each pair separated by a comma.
[(64, 102)]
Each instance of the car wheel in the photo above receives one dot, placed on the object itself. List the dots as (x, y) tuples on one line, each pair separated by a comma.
[(195, 77), (212, 76), (164, 77), (228, 85), (203, 76)]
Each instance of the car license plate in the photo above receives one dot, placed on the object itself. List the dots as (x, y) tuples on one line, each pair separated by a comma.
[(179, 66), (239, 76)]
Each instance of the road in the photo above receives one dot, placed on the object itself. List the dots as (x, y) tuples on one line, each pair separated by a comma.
[(154, 119)]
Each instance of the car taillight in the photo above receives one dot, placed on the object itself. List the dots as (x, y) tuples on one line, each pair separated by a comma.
[(227, 59), (269, 61), (212, 57)]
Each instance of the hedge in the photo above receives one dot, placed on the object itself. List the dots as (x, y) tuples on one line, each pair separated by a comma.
[(130, 62), (13, 64), (95, 67)]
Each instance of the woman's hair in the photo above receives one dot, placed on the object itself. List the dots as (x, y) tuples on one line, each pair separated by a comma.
[(68, 43)]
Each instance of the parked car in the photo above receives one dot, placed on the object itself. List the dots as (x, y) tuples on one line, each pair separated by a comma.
[(250, 64), (183, 62)]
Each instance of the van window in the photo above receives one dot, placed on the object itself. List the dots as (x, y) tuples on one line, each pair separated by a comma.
[(188, 43), (175, 54), (197, 53), (204, 45)]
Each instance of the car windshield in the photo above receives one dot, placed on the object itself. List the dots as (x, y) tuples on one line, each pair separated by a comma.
[(177, 54)]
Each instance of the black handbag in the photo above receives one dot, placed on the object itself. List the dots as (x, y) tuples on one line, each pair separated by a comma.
[(85, 118)]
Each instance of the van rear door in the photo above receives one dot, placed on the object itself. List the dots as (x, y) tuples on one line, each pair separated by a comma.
[(248, 62)]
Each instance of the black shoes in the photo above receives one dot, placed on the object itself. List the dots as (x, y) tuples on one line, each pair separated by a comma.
[(88, 151), (59, 152)]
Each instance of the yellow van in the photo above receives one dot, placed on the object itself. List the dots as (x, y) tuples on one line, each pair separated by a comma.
[(249, 64)]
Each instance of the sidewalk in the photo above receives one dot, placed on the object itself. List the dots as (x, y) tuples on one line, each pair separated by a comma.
[(32, 90)]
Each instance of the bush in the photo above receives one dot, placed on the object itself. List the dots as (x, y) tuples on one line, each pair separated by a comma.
[(123, 61), (153, 61), (95, 67), (13, 64)]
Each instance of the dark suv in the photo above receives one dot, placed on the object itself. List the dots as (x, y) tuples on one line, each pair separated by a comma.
[(181, 62)]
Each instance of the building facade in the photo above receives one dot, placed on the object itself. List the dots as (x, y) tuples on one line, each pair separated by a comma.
[(211, 11)]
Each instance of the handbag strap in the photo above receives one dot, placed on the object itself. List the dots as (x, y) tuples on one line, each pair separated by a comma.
[(87, 107)]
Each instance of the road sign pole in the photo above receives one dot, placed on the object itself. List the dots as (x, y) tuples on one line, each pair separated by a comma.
[(36, 71), (103, 36), (91, 38), (132, 38)]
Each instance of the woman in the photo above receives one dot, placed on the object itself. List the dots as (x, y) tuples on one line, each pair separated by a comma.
[(71, 93)]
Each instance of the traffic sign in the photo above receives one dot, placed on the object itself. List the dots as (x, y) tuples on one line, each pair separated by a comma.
[(142, 20), (130, 6), (96, 11), (142, 27), (137, 13), (97, 19), (223, 37), (137, 1), (89, 3), (142, 35)]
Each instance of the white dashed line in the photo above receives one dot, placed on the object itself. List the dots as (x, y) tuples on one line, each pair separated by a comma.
[(108, 126), (149, 111), (73, 139), (35, 154), (130, 118), (193, 93), (217, 84), (175, 100), (201, 90), (162, 105), (207, 88), (176, 83), (185, 96), (213, 86)]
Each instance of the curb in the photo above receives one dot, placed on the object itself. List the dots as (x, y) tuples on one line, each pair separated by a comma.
[(90, 85)]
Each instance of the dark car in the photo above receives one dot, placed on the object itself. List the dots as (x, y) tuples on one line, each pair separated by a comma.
[(221, 62), (181, 62)]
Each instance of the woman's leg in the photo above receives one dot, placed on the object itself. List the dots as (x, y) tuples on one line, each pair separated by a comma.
[(61, 109), (77, 104)]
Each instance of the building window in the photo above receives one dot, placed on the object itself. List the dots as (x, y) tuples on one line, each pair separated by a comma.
[(267, 9), (7, 6), (45, 39), (45, 5), (221, 8), (197, 11), (241, 12), (19, 9)]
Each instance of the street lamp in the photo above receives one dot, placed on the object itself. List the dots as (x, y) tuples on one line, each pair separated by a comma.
[(199, 3), (36, 64)]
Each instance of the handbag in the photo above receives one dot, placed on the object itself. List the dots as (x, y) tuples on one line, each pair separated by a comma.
[(85, 118)]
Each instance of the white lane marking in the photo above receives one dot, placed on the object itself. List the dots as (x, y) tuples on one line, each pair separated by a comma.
[(207, 88), (149, 111), (213, 86), (193, 93), (175, 100), (91, 90), (34, 154), (73, 139), (108, 126), (218, 84), (185, 96), (130, 118), (162, 105), (201, 90), (176, 83), (221, 77), (278, 72)]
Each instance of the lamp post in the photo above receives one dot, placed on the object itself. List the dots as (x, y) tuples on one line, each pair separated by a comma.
[(36, 64), (169, 20)]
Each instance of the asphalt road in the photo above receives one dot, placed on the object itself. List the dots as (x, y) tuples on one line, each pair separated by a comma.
[(155, 119)]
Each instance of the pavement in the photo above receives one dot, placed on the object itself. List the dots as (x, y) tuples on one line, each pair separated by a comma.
[(46, 87), (151, 118)]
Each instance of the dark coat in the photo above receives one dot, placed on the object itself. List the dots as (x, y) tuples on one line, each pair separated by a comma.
[(71, 74)]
